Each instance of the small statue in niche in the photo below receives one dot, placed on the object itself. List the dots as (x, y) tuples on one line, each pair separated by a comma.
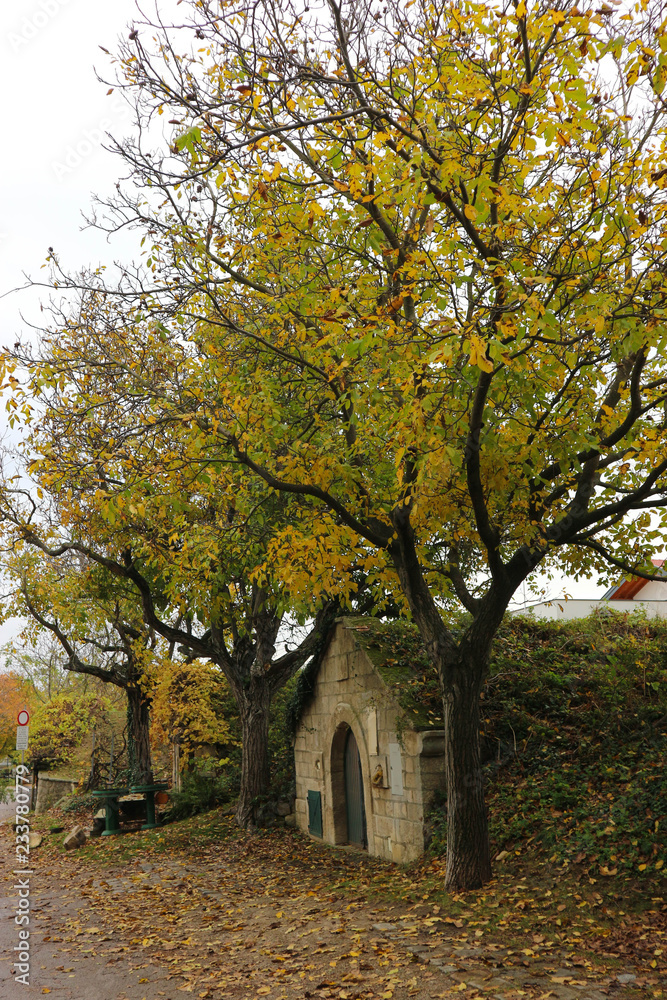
[(378, 776)]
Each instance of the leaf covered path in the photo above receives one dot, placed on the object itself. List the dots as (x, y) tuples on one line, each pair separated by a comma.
[(198, 910)]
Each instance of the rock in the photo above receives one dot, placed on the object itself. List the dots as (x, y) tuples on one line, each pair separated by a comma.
[(75, 838), (445, 969), (384, 927), (291, 820), (101, 814), (283, 808), (626, 977), (35, 840), (99, 824)]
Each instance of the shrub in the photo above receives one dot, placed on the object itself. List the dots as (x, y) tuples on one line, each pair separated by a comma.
[(203, 791), (574, 720)]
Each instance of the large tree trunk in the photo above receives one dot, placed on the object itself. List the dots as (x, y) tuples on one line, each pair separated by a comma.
[(139, 744), (461, 665), (255, 764), (468, 852)]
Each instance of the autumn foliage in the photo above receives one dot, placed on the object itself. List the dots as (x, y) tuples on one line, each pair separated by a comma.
[(402, 316), (191, 703), (15, 694)]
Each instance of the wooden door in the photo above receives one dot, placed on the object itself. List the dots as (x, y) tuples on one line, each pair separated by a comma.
[(354, 793)]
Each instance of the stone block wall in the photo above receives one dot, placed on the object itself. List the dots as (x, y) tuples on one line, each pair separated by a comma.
[(50, 789), (350, 694)]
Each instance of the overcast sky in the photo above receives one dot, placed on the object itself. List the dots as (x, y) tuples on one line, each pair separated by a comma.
[(54, 116)]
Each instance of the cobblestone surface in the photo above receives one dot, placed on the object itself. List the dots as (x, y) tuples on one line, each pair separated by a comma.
[(226, 929)]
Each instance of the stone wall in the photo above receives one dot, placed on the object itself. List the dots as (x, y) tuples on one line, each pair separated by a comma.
[(50, 790), (399, 777)]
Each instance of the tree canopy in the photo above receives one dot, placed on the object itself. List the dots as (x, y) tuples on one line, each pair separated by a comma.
[(406, 267)]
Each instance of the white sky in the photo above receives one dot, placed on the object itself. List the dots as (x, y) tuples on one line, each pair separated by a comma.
[(54, 114)]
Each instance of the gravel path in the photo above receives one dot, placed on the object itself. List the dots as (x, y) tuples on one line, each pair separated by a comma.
[(235, 922)]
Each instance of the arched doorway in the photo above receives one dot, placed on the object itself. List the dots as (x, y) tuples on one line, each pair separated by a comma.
[(347, 789), (354, 793)]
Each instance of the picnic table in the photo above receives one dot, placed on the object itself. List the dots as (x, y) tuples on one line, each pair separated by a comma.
[(148, 791), (110, 798)]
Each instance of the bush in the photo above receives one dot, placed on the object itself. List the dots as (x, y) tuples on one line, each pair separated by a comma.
[(573, 732), (201, 792), (76, 803)]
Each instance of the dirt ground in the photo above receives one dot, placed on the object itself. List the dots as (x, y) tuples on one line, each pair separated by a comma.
[(154, 917)]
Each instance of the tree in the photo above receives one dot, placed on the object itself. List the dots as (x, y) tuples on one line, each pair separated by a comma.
[(144, 503), (419, 252), (98, 624), (15, 694), (60, 725), (188, 706), (40, 664)]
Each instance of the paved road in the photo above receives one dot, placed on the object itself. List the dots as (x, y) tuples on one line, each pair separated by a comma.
[(234, 921), (6, 810), (66, 969)]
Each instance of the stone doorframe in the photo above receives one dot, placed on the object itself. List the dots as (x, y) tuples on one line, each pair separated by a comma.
[(344, 719)]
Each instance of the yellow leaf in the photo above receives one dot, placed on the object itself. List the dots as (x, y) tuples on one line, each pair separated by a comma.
[(478, 354), (659, 864), (521, 9), (470, 212), (557, 16)]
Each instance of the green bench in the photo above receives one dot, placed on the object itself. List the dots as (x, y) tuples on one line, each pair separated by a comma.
[(110, 797), (148, 791)]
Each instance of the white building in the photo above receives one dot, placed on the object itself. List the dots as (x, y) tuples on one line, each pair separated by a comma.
[(629, 595)]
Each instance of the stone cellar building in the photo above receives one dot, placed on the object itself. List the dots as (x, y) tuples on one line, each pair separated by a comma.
[(368, 751)]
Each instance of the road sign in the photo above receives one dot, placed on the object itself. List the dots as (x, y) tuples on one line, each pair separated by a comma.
[(22, 737), (23, 717)]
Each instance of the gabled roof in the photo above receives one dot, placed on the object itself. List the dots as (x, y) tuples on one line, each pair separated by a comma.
[(628, 589), (395, 651)]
